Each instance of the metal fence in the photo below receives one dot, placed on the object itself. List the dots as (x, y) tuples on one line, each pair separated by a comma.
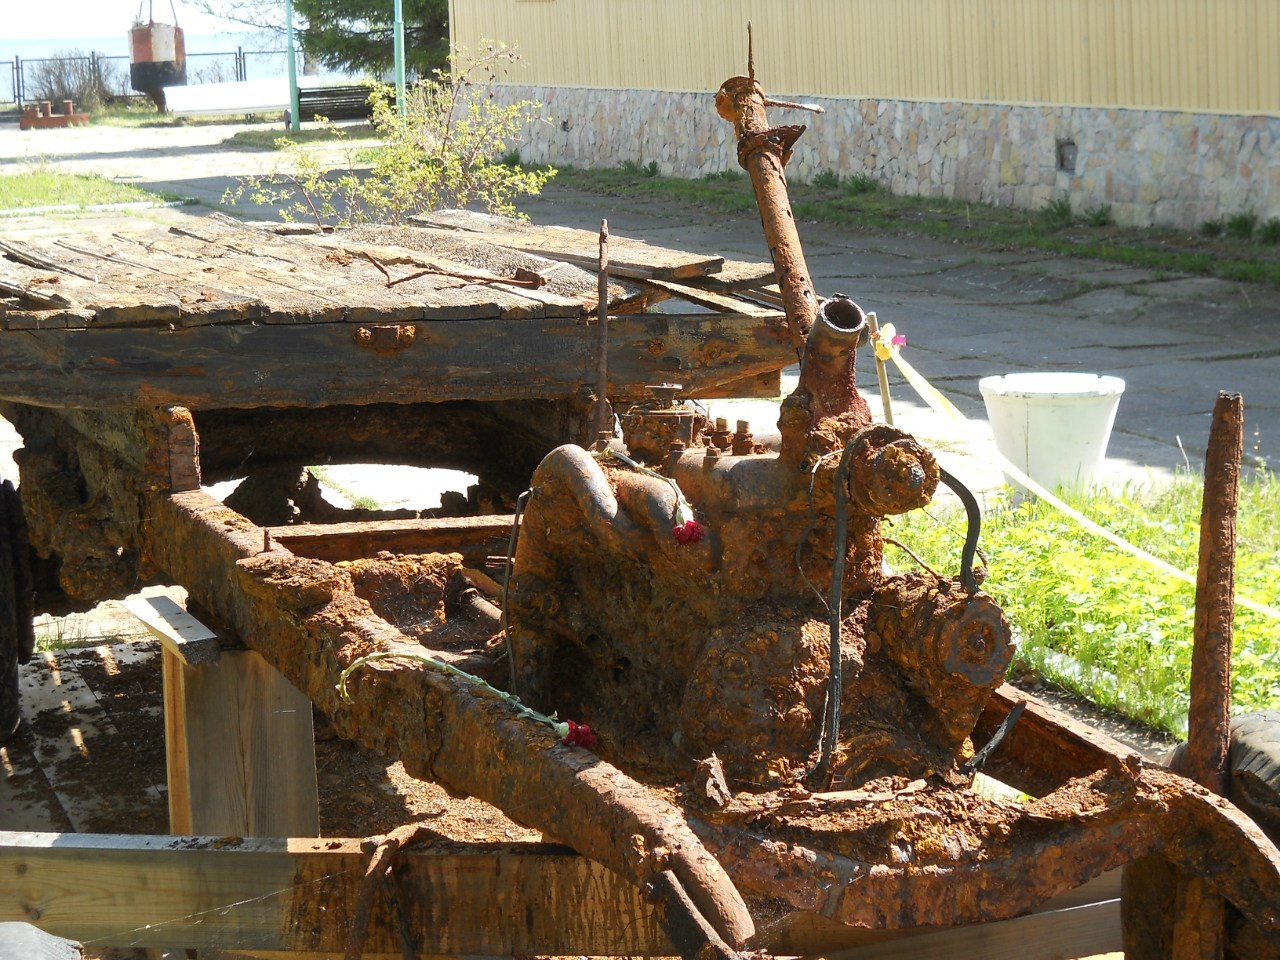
[(112, 73)]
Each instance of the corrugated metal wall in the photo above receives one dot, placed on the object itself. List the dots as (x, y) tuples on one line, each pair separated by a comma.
[(1197, 55)]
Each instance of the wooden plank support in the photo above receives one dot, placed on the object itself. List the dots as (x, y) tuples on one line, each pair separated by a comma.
[(476, 538), (240, 749), (266, 896), (321, 364)]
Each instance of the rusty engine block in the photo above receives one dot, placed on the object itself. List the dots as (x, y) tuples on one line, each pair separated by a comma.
[(674, 650), (774, 638)]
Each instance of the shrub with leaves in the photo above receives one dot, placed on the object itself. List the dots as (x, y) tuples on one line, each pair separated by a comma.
[(446, 150), (86, 79)]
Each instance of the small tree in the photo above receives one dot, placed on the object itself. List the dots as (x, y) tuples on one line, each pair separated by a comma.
[(446, 151)]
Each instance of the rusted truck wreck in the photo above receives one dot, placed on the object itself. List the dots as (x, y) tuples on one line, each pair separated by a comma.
[(776, 724)]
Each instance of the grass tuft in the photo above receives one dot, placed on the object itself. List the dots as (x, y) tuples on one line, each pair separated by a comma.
[(43, 187), (1241, 225)]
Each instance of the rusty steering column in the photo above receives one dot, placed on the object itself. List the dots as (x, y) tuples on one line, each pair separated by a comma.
[(763, 151)]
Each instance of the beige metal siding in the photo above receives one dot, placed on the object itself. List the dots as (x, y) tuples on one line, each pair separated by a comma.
[(1200, 55)]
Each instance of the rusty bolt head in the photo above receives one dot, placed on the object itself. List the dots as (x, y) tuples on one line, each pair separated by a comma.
[(364, 335), (406, 335)]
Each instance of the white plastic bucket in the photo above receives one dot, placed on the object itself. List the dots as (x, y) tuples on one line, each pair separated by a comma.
[(1053, 426)]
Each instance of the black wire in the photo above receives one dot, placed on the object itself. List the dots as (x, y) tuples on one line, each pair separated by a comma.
[(506, 580), (967, 579), (835, 613)]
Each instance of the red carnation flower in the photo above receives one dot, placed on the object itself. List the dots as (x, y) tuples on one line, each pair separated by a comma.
[(688, 532), (579, 735)]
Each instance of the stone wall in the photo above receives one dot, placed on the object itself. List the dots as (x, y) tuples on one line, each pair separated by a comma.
[(1148, 166)]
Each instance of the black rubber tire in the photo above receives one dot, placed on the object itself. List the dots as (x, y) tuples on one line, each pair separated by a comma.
[(1150, 883), (11, 638)]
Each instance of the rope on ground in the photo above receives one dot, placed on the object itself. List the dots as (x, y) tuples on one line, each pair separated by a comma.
[(890, 345)]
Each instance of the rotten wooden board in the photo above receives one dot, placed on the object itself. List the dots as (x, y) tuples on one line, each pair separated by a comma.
[(627, 258), (496, 900), (220, 366), (474, 537)]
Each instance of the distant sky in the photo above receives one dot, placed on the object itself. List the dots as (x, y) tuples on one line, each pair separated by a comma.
[(72, 19)]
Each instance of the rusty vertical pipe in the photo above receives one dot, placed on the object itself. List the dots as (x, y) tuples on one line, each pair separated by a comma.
[(1198, 911), (763, 152), (1209, 722), (602, 337)]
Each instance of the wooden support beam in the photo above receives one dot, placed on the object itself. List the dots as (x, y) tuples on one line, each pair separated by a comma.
[(474, 537), (268, 897), (321, 364)]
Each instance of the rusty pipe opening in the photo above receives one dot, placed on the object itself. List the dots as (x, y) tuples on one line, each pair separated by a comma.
[(828, 366)]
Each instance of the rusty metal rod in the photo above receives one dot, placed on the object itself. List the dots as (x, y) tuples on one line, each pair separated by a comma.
[(763, 152), (1198, 932), (1209, 721), (602, 337)]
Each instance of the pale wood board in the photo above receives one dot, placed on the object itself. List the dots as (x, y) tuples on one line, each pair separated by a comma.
[(180, 633), (241, 749)]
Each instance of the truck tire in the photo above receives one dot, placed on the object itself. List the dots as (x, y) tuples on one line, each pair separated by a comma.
[(1150, 883), (11, 640)]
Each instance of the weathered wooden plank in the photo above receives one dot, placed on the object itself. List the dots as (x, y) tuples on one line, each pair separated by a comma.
[(447, 273), (38, 288), (474, 537), (737, 275), (55, 319), (297, 894), (714, 300), (334, 272), (563, 279), (217, 367), (627, 258)]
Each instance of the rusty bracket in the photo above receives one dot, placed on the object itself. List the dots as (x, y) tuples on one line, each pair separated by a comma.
[(386, 338), (776, 140)]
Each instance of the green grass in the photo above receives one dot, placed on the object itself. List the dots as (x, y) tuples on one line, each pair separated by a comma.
[(861, 203), (1100, 622), (46, 188), (270, 138)]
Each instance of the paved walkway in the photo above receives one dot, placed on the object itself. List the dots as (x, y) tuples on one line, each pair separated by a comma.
[(966, 312)]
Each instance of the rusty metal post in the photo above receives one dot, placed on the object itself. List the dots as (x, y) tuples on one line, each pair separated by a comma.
[(763, 152), (602, 337), (1198, 912)]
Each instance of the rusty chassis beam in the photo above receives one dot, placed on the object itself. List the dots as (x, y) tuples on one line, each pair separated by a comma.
[(303, 617), (1102, 807)]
